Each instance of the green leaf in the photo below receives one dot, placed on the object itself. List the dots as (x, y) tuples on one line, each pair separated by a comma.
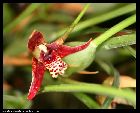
[(113, 30), (104, 66), (120, 41), (16, 102), (131, 51), (99, 19), (116, 83), (75, 22), (93, 88), (7, 14), (88, 101), (25, 13)]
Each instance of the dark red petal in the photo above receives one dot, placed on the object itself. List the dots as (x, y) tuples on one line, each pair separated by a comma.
[(38, 70), (66, 50), (35, 39)]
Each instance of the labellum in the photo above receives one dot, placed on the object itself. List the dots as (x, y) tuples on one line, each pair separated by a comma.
[(48, 56)]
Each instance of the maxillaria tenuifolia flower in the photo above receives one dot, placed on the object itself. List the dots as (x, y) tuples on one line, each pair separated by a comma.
[(48, 56)]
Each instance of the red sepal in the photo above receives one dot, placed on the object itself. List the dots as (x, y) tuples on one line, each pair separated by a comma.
[(35, 39), (38, 70)]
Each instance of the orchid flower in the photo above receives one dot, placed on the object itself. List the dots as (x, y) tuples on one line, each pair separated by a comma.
[(48, 56)]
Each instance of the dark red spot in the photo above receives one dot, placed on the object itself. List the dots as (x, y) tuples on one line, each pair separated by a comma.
[(51, 70), (60, 65), (54, 70), (56, 73)]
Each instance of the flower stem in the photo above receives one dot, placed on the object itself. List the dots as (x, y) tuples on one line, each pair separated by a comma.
[(69, 30), (87, 100), (123, 24), (93, 88), (101, 18)]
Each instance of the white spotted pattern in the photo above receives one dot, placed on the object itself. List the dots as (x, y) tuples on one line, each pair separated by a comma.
[(56, 67)]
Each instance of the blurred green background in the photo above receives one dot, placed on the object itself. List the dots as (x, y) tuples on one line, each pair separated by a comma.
[(50, 19)]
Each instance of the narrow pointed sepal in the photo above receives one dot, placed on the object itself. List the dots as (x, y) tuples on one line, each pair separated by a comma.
[(38, 70), (67, 50)]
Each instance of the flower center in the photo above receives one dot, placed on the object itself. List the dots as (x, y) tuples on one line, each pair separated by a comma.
[(38, 50), (42, 48)]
